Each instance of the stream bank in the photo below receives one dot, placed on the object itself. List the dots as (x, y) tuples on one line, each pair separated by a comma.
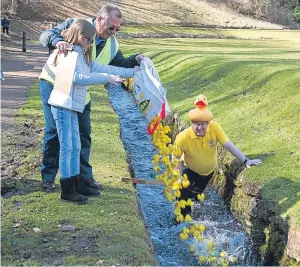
[(157, 212), (274, 238)]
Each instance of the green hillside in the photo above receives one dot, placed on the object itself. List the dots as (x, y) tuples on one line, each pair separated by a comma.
[(253, 91), (251, 79)]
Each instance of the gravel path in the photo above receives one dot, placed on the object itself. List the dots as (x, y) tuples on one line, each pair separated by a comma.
[(21, 71)]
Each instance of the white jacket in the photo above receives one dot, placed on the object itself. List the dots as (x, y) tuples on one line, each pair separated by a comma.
[(73, 75)]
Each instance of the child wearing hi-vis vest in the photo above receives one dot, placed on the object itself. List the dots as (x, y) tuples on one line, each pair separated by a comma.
[(74, 71)]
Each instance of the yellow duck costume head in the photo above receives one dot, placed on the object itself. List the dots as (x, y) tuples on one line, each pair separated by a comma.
[(200, 113)]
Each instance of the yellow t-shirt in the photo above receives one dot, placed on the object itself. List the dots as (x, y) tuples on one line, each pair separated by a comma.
[(200, 153)]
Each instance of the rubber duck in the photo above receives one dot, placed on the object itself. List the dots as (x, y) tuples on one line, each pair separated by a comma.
[(210, 245), (189, 202), (201, 197), (202, 259), (232, 259), (177, 152), (183, 236), (177, 211), (225, 263), (186, 183), (156, 157), (185, 230), (192, 248), (223, 254), (187, 218), (156, 168), (171, 148), (177, 193), (182, 203)]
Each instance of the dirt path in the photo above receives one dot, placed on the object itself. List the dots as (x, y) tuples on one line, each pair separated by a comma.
[(20, 70)]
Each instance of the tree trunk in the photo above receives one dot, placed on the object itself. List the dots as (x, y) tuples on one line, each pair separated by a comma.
[(13, 7)]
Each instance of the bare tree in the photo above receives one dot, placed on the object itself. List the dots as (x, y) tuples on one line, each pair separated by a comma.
[(13, 7)]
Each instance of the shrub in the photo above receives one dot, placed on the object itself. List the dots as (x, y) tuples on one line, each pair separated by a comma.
[(296, 13)]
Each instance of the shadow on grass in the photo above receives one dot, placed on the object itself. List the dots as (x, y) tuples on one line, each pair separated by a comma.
[(20, 187), (48, 248), (23, 186)]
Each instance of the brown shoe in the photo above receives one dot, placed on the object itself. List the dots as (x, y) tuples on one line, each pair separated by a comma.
[(48, 185), (84, 190), (92, 183)]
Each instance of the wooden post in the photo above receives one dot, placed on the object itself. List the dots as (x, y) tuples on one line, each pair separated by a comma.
[(24, 42), (141, 181)]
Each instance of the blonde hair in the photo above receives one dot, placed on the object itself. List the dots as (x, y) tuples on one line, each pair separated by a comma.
[(107, 9), (80, 27)]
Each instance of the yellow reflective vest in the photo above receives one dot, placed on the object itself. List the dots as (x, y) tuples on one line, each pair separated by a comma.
[(106, 55)]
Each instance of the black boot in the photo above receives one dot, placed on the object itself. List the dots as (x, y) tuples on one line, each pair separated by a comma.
[(82, 189), (68, 192)]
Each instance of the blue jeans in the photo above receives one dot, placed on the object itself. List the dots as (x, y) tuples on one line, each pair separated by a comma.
[(69, 140), (50, 150)]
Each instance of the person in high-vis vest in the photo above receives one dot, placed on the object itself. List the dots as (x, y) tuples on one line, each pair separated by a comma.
[(196, 150), (74, 71), (105, 50)]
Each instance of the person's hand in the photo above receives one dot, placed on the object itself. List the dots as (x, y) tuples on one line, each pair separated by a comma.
[(63, 47), (113, 79), (2, 76), (251, 162), (137, 68), (139, 58)]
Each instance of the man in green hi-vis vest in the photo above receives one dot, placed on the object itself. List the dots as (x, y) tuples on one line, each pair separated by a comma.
[(105, 51)]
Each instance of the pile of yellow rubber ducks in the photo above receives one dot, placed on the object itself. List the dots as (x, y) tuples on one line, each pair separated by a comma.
[(173, 183)]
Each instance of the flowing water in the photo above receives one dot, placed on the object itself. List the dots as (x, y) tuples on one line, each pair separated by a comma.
[(169, 249)]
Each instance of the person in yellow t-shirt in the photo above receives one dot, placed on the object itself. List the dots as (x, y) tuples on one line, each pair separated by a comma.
[(198, 148)]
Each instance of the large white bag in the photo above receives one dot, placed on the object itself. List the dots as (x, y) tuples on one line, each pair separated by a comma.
[(149, 93)]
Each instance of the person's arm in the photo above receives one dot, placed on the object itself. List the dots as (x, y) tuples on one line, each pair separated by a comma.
[(129, 62), (123, 72), (95, 78), (90, 79), (229, 146), (51, 37), (223, 139)]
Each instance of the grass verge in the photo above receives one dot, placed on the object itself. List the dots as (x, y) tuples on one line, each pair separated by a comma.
[(108, 229)]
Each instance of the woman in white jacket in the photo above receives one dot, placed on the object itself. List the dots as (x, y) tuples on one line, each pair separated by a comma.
[(73, 73)]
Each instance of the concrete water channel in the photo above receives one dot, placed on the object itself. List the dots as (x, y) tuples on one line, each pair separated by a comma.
[(169, 249)]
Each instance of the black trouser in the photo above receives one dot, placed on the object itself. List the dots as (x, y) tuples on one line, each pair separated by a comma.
[(198, 183), (5, 29)]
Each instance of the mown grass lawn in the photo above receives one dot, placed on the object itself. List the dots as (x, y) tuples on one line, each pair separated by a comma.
[(109, 228), (253, 92), (287, 35)]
